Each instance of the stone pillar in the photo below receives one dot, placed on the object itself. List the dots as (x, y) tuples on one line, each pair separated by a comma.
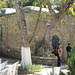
[(25, 57)]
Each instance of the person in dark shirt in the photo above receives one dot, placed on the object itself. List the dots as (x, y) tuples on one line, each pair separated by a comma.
[(68, 49), (59, 54)]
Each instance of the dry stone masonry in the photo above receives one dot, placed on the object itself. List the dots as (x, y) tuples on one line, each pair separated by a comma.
[(44, 41)]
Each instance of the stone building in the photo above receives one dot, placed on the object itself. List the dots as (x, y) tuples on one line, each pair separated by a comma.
[(44, 41)]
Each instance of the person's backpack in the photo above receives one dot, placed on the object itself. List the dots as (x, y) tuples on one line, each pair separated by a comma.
[(56, 50)]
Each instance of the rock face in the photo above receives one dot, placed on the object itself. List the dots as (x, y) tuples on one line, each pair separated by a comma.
[(45, 40)]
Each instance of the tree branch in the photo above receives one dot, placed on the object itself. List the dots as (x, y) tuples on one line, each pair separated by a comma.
[(22, 24), (62, 13), (36, 24)]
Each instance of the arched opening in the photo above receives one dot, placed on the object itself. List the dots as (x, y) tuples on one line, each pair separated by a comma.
[(55, 41)]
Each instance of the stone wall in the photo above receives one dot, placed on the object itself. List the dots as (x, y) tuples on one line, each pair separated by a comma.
[(51, 61), (10, 40), (10, 36)]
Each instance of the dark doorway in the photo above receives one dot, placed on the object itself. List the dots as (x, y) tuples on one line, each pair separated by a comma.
[(55, 41)]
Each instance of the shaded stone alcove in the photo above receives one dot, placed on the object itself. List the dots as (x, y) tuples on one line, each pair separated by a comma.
[(55, 41)]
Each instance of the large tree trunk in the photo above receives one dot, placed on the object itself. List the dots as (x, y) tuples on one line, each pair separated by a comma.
[(55, 19), (25, 48), (25, 56)]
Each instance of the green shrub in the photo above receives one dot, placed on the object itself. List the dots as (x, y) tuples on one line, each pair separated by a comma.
[(61, 73), (71, 61), (30, 68), (34, 68), (39, 67), (20, 68)]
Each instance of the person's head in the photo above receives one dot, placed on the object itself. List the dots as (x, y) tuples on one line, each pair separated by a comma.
[(59, 45), (69, 44)]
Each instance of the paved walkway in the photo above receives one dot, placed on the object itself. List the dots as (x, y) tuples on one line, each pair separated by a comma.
[(11, 61), (46, 69)]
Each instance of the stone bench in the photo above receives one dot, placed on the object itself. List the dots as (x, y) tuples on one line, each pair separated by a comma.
[(6, 69), (44, 60)]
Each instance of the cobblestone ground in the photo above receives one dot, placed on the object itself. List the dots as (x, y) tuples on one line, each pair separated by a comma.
[(46, 68)]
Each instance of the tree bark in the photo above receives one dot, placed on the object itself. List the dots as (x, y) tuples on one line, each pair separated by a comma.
[(38, 18), (63, 10), (56, 18), (22, 26), (25, 48)]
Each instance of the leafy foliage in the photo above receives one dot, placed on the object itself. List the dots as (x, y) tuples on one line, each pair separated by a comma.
[(30, 68), (71, 61), (27, 2), (20, 68), (9, 4), (63, 21), (72, 10), (58, 2), (3, 4)]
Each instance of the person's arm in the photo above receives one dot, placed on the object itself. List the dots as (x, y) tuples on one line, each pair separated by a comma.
[(59, 52)]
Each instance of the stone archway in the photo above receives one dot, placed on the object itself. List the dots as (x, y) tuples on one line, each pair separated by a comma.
[(58, 36), (55, 41)]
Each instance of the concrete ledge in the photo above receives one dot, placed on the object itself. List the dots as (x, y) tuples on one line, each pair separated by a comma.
[(44, 60)]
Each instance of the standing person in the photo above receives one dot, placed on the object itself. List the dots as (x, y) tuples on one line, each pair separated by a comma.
[(59, 53), (68, 48)]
